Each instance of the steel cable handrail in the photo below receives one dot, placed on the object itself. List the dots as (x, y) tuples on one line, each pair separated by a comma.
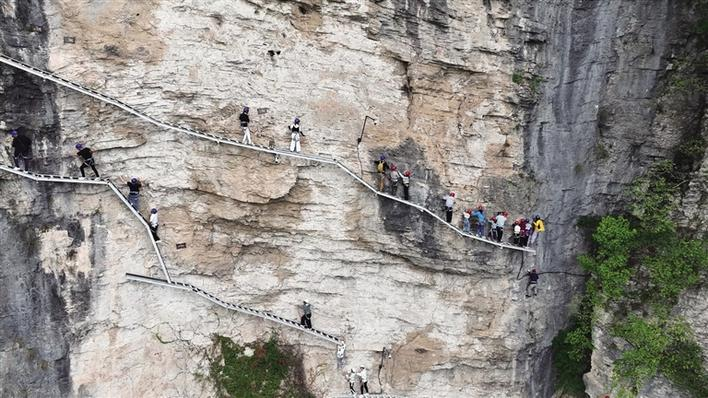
[(222, 140)]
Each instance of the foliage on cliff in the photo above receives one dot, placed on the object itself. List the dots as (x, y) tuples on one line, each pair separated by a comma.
[(263, 369), (639, 266)]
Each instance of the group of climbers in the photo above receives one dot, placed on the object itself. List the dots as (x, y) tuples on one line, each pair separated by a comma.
[(525, 232), (389, 172), (294, 128), (362, 377)]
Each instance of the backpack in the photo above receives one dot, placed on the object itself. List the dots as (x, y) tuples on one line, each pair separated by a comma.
[(380, 167)]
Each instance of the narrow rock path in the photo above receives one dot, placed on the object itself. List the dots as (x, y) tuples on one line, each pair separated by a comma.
[(223, 140)]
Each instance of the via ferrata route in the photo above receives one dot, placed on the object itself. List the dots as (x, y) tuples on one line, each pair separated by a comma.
[(223, 140)]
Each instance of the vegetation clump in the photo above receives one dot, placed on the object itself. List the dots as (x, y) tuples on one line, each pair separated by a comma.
[(639, 266), (263, 369)]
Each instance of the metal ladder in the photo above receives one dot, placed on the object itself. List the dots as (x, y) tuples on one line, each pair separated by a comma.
[(236, 307), (223, 140), (168, 281), (94, 181)]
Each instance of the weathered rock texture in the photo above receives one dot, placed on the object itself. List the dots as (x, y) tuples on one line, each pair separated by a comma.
[(438, 76)]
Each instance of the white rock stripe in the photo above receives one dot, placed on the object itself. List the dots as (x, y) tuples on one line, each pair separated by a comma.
[(236, 307), (222, 140), (94, 181)]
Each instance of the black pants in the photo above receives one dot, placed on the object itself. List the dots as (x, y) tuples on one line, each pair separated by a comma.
[(517, 240), (88, 162), (500, 233), (351, 388), (448, 214), (394, 188), (154, 233), (364, 386), (25, 158), (306, 321), (406, 196)]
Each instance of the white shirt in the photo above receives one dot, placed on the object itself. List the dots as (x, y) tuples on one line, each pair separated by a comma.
[(517, 229), (364, 377), (153, 219), (500, 221), (449, 201)]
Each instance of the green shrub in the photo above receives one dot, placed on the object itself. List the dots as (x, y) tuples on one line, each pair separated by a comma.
[(269, 372)]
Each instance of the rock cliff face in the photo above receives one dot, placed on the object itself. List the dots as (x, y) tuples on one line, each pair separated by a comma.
[(452, 86)]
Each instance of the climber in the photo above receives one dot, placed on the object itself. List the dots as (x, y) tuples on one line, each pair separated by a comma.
[(271, 145), (381, 167), (525, 231), (406, 181), (352, 380), (479, 215), (493, 228), (517, 232), (154, 224), (134, 186), (394, 179), (533, 283), (244, 119), (538, 227), (306, 319), (501, 220), (22, 149), (86, 156), (295, 134), (449, 203), (364, 379), (466, 221)]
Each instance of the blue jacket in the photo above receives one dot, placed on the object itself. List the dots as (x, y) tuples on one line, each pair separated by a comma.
[(480, 216)]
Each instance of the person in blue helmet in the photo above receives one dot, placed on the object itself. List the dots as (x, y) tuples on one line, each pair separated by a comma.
[(244, 119), (22, 147), (134, 186), (295, 133), (86, 156)]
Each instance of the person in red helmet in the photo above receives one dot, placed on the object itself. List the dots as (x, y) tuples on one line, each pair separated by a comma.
[(394, 176), (449, 203), (406, 181)]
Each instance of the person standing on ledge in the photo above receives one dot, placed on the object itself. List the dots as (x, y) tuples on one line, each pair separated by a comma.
[(352, 381), (406, 181), (394, 175), (22, 146), (244, 119), (154, 224), (501, 220), (466, 221), (86, 156), (364, 380), (481, 220), (381, 167), (449, 203), (134, 186), (306, 320), (295, 133)]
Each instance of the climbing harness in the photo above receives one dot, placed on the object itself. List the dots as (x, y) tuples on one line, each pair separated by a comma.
[(222, 140)]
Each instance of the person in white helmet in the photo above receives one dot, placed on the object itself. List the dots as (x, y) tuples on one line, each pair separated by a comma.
[(295, 133), (364, 380)]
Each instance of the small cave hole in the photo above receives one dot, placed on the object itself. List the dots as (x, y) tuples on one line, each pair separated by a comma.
[(302, 10)]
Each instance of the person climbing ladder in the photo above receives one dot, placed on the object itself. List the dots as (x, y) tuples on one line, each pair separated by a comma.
[(134, 186), (295, 133), (533, 283), (244, 119), (154, 224), (86, 156)]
